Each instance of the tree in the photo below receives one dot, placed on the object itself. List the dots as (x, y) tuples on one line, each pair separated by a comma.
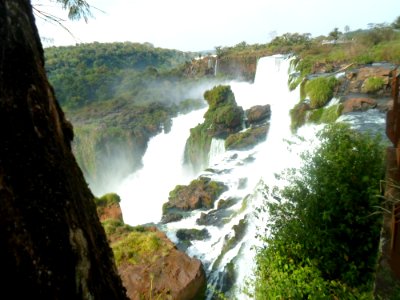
[(324, 228), (334, 34), (52, 245), (396, 23)]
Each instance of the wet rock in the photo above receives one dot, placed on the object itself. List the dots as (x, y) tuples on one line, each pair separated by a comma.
[(242, 183), (187, 235), (200, 193), (231, 240), (223, 204), (258, 114), (192, 234), (358, 104), (216, 218), (247, 139), (171, 217)]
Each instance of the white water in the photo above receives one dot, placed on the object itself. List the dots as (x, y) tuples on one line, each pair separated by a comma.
[(267, 158), (144, 192)]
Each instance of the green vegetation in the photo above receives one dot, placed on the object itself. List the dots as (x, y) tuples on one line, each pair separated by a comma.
[(320, 90), (108, 200), (95, 72), (373, 84), (325, 114), (140, 247), (298, 115), (323, 233)]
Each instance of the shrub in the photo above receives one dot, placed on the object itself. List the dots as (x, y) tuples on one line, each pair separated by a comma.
[(108, 200), (218, 95), (373, 84), (325, 231), (320, 90)]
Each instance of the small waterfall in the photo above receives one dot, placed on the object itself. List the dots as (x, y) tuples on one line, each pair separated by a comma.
[(216, 67), (217, 149)]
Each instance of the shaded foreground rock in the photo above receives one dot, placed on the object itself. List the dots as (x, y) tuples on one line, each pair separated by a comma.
[(150, 265), (52, 243)]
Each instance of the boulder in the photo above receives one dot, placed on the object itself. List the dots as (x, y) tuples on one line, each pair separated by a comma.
[(200, 193), (170, 274), (358, 104), (258, 114)]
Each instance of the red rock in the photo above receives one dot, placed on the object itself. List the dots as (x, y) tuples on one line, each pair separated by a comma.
[(173, 276), (358, 104)]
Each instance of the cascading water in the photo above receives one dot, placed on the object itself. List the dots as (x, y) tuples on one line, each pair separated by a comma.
[(144, 192), (228, 255), (245, 173)]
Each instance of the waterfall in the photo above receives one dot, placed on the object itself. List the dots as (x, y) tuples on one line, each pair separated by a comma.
[(216, 67), (228, 254), (144, 192), (217, 150), (246, 173)]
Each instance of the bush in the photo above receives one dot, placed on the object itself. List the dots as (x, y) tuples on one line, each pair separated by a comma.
[(373, 84), (325, 230), (320, 90)]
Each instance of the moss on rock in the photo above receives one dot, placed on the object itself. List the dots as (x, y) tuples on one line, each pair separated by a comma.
[(247, 139)]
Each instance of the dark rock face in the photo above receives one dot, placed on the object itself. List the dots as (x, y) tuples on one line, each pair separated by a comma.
[(52, 243)]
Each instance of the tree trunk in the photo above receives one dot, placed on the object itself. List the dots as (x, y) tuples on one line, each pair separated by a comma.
[(52, 245)]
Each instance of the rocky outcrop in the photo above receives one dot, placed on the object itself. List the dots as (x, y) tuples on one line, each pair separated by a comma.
[(200, 193), (358, 104), (165, 274), (222, 118), (358, 89), (150, 265), (356, 77)]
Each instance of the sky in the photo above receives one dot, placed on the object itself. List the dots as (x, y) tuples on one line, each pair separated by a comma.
[(203, 25)]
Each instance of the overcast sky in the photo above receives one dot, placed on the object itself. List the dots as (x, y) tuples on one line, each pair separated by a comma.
[(202, 25)]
